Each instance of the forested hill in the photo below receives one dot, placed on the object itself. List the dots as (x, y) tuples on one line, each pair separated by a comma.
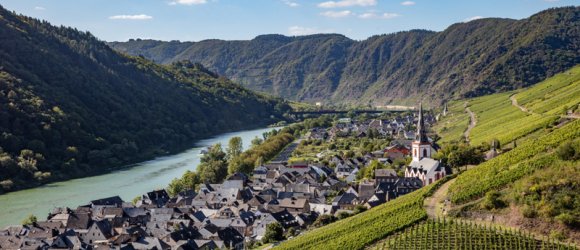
[(71, 106), (466, 59)]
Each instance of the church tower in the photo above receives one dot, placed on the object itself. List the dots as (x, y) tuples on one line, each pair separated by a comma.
[(421, 148)]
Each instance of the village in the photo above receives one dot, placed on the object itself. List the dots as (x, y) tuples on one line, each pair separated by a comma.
[(290, 191)]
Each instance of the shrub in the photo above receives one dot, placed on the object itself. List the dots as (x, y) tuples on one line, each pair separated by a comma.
[(529, 211), (324, 219), (31, 219), (274, 233), (566, 219), (566, 151), (492, 201), (343, 215)]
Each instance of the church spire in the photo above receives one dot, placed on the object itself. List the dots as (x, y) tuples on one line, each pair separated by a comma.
[(421, 136)]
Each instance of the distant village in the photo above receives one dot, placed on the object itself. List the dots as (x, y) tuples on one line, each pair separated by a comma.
[(233, 213)]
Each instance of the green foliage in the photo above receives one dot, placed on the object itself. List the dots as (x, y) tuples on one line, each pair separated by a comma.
[(323, 220), (274, 233), (189, 181), (235, 147), (460, 154), (472, 58), (492, 201), (343, 215), (29, 220), (213, 167), (511, 166), (437, 234), (368, 172), (70, 106), (267, 150), (569, 151), (550, 193)]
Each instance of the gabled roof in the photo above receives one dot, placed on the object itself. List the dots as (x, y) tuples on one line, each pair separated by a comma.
[(385, 173), (78, 221), (110, 201)]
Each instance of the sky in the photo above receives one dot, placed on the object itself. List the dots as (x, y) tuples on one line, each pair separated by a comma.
[(195, 20)]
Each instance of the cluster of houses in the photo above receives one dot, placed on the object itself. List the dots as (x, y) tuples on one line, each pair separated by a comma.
[(237, 211), (398, 127)]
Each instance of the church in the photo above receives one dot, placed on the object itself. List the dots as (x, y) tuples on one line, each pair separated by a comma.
[(427, 169)]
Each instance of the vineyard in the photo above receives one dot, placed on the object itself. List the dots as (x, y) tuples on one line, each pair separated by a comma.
[(555, 94), (510, 166), (453, 125), (363, 229), (498, 119), (452, 234)]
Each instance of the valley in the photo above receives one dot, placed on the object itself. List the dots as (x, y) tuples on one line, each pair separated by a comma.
[(467, 137)]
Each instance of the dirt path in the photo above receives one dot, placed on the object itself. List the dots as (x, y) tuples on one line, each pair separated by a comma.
[(435, 204), (515, 104), (472, 122)]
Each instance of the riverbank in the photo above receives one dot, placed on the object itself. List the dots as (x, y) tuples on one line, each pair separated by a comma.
[(127, 182), (148, 155)]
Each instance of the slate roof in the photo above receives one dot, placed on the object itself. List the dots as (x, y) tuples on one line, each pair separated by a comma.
[(110, 201)]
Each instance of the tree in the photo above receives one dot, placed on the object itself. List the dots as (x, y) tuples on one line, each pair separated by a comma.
[(259, 161), (31, 219), (324, 219), (213, 167), (274, 233), (235, 147), (257, 141)]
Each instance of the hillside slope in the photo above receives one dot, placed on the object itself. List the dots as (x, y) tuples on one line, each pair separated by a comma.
[(535, 184), (543, 104), (71, 106), (466, 59)]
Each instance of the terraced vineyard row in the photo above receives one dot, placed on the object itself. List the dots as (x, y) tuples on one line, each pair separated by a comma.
[(553, 95), (512, 165), (359, 231), (451, 234)]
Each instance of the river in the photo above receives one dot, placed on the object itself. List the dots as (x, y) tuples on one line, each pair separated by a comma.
[(127, 182)]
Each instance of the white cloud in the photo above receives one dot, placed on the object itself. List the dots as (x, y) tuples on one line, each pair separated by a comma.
[(188, 2), (373, 15), (408, 3), (301, 31), (472, 18), (131, 17), (290, 3), (336, 14), (39, 8), (347, 3)]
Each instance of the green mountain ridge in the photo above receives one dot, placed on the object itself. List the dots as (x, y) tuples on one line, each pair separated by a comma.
[(71, 106), (465, 60)]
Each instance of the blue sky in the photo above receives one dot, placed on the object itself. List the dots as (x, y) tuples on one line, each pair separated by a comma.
[(194, 20)]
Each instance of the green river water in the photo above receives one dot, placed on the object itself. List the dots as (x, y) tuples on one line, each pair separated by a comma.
[(127, 182)]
